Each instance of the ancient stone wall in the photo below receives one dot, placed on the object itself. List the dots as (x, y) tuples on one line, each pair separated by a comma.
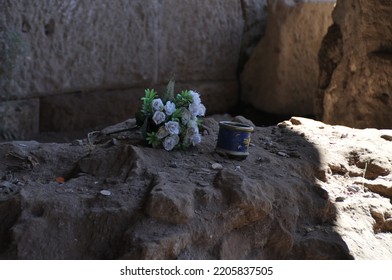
[(356, 65), (84, 63), (281, 75)]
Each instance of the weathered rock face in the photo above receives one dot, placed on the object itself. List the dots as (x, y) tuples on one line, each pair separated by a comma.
[(306, 191), (101, 55), (360, 88), (282, 74)]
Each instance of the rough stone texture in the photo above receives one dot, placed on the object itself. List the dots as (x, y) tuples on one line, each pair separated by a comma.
[(302, 193), (360, 89), (282, 74), (75, 48), (71, 112), (78, 111), (199, 40), (82, 45), (255, 20), (171, 202), (19, 118)]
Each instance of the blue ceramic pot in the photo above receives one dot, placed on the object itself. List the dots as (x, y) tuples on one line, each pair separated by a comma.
[(234, 139)]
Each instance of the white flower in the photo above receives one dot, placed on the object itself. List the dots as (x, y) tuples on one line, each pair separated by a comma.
[(196, 139), (162, 132), (170, 142), (173, 127), (195, 97), (159, 117), (194, 108), (186, 116), (170, 107), (157, 104), (192, 124), (202, 110)]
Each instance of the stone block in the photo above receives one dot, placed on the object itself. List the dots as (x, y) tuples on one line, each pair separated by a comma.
[(19, 120), (81, 45), (217, 96), (282, 74), (171, 203), (75, 111), (81, 110), (359, 92), (199, 40)]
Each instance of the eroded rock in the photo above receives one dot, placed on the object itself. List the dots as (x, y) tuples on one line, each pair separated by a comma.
[(356, 87), (281, 74), (264, 207)]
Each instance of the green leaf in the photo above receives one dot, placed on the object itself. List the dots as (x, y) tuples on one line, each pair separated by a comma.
[(153, 139), (177, 114), (169, 91), (183, 99), (150, 95)]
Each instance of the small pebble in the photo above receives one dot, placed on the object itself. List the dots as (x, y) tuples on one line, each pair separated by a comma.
[(77, 142), (173, 164), (217, 166), (340, 199), (105, 192), (283, 154)]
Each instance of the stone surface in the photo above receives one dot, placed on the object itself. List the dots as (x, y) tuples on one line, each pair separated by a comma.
[(78, 111), (359, 92), (19, 119), (312, 203), (74, 45), (87, 54), (199, 40), (171, 202), (282, 74)]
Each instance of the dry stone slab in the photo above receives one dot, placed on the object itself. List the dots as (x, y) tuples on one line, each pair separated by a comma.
[(359, 91), (171, 202), (82, 45), (281, 75), (211, 51), (19, 119)]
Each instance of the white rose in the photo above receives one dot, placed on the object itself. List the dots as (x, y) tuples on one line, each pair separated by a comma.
[(195, 97), (196, 139), (202, 110), (157, 104), (159, 117), (170, 107), (173, 127), (170, 142), (193, 124), (194, 108)]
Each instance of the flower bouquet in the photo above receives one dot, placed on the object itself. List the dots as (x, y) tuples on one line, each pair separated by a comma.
[(173, 121)]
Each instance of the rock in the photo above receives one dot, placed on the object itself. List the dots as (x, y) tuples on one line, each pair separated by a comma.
[(269, 207), (242, 119), (171, 202), (249, 198), (381, 187), (86, 62), (100, 56), (359, 91), (105, 193), (19, 119), (217, 166), (281, 74)]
